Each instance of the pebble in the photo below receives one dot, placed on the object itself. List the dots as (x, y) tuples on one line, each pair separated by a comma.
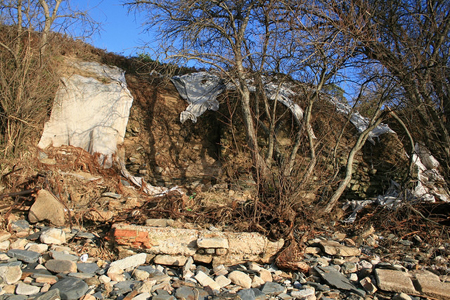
[(24, 255), (53, 236)]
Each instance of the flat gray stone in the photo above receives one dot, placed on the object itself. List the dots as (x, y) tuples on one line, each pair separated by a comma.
[(15, 297), (24, 255), (87, 267), (259, 295), (63, 256), (124, 287), (185, 292), (61, 266), (71, 288), (272, 288), (394, 281), (163, 297), (20, 225), (247, 294), (81, 275), (336, 279)]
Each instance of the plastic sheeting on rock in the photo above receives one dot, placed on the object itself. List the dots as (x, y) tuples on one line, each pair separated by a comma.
[(200, 90), (283, 94), (90, 112), (430, 186), (361, 123)]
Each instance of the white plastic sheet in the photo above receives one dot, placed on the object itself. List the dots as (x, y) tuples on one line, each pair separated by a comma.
[(90, 112), (361, 123), (200, 90)]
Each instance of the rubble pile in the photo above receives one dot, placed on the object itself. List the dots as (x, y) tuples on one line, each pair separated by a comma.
[(40, 262)]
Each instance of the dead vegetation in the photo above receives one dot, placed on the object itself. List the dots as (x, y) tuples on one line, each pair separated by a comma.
[(210, 160)]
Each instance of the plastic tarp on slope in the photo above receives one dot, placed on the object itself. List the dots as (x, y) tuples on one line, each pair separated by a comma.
[(91, 111), (361, 123), (201, 89)]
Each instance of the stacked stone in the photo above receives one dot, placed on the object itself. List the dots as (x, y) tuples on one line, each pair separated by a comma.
[(41, 264)]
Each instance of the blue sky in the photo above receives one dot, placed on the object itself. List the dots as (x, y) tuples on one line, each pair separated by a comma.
[(122, 32)]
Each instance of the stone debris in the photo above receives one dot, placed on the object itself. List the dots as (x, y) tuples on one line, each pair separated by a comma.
[(47, 207), (394, 281), (57, 271)]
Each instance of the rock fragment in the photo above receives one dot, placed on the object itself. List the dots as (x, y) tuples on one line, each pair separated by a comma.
[(53, 236), (47, 207), (334, 248), (394, 281), (241, 279)]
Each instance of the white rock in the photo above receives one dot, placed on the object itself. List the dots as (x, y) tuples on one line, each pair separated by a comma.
[(4, 246), (352, 277), (265, 275), (170, 260), (19, 244), (241, 279), (367, 284), (140, 275), (187, 268), (115, 273), (401, 296), (4, 257), (306, 294), (26, 289), (364, 264), (104, 279), (11, 273), (222, 281), (205, 280), (53, 236), (220, 270), (39, 248), (130, 262), (253, 266), (4, 235), (257, 282), (47, 207), (147, 286)]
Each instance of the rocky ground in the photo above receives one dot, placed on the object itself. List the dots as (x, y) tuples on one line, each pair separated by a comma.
[(40, 262)]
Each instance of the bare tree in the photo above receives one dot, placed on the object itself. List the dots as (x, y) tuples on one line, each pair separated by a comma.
[(234, 37), (28, 81), (411, 40)]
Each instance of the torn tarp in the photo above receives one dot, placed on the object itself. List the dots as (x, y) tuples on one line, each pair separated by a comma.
[(361, 123), (89, 111), (430, 186), (200, 90)]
